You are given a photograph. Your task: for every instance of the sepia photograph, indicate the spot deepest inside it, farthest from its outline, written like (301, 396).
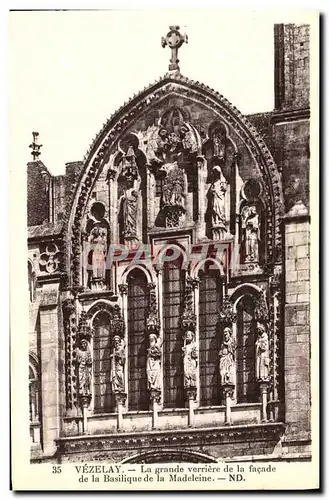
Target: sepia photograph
(168, 257)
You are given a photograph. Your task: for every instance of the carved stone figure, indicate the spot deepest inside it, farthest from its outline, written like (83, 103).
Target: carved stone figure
(153, 363)
(227, 358)
(118, 359)
(174, 185)
(251, 227)
(189, 141)
(216, 198)
(98, 244)
(129, 206)
(84, 362)
(262, 353)
(218, 137)
(190, 360)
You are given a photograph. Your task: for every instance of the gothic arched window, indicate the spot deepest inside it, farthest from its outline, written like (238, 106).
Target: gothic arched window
(245, 351)
(34, 400)
(34, 392)
(137, 310)
(104, 400)
(210, 299)
(173, 290)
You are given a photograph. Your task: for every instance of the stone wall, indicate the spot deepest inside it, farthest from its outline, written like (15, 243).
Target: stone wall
(297, 325)
(292, 66)
(38, 179)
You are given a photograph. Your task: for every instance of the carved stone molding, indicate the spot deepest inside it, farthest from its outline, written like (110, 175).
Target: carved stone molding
(117, 322)
(226, 316)
(152, 321)
(188, 317)
(70, 331)
(51, 259)
(123, 289)
(84, 328)
(164, 439)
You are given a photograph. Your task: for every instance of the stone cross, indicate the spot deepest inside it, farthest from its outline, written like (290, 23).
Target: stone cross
(35, 146)
(174, 40)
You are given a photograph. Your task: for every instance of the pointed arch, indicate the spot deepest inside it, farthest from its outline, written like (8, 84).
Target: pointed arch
(200, 265)
(98, 306)
(106, 142)
(34, 389)
(245, 289)
(142, 268)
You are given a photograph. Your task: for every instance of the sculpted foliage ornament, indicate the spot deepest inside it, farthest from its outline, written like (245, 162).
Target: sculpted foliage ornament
(70, 331)
(84, 329)
(152, 321)
(188, 317)
(226, 315)
(117, 322)
(261, 313)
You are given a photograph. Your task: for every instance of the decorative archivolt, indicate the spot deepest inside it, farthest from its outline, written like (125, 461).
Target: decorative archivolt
(216, 265)
(144, 269)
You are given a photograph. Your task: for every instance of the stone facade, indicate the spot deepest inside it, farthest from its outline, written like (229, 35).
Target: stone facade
(138, 357)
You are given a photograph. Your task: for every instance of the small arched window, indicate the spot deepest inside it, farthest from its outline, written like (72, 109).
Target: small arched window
(34, 391)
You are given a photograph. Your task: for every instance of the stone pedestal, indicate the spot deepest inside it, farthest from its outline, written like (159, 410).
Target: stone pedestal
(228, 392)
(155, 398)
(190, 393)
(263, 386)
(84, 403)
(120, 399)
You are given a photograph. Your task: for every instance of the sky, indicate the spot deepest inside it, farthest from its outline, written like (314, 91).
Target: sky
(69, 71)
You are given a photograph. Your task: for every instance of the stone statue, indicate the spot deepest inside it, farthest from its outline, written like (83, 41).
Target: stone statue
(250, 225)
(153, 363)
(129, 206)
(118, 359)
(218, 139)
(189, 141)
(216, 198)
(227, 358)
(190, 360)
(174, 185)
(84, 362)
(98, 243)
(262, 353)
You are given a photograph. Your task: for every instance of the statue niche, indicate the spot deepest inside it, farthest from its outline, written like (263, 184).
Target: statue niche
(97, 235)
(131, 189)
(216, 211)
(220, 153)
(252, 222)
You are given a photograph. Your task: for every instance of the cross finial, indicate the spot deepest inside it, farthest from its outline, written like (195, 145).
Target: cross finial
(174, 40)
(35, 146)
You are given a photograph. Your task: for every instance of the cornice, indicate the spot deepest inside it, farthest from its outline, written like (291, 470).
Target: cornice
(164, 439)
